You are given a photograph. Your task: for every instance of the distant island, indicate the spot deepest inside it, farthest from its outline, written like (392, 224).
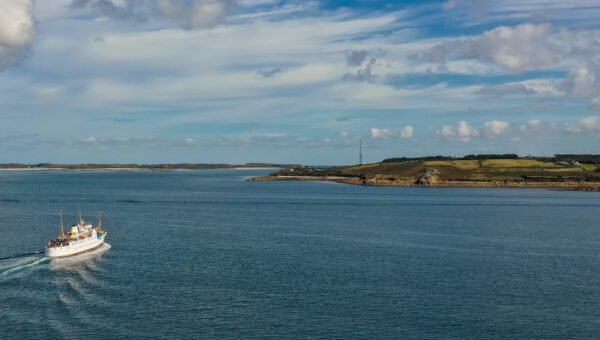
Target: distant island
(563, 171)
(143, 167)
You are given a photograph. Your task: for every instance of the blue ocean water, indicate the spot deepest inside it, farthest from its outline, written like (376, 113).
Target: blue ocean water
(208, 255)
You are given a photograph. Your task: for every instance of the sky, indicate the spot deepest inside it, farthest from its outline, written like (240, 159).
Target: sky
(236, 81)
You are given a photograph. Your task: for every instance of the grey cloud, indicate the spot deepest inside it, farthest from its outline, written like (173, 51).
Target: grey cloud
(505, 90)
(270, 73)
(360, 58)
(18, 138)
(11, 56)
(15, 43)
(438, 54)
(356, 58)
(473, 111)
(365, 74)
(129, 9)
(123, 120)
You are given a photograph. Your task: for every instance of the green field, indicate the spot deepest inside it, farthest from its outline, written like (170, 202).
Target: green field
(520, 163)
(460, 164)
(588, 167)
(494, 163)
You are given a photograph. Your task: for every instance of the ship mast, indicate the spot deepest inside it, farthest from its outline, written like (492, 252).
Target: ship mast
(62, 230)
(81, 219)
(99, 221)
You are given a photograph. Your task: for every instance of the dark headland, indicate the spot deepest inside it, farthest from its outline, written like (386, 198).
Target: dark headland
(565, 171)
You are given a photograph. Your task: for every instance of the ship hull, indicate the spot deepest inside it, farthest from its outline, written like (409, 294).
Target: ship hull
(76, 248)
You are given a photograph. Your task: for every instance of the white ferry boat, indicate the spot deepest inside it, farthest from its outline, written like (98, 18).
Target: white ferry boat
(81, 239)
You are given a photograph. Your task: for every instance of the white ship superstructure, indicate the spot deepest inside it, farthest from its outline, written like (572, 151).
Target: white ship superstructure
(82, 238)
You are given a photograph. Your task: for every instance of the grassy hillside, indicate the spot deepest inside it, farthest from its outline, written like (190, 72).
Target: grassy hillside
(460, 170)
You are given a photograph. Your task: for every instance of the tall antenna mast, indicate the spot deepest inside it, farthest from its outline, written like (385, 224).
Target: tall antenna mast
(99, 221)
(62, 230)
(360, 153)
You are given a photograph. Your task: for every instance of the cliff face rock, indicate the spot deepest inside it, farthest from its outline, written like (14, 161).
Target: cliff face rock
(429, 177)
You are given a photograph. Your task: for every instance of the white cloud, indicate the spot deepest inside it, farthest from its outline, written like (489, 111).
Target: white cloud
(532, 87)
(251, 3)
(381, 133)
(201, 14)
(450, 4)
(580, 83)
(581, 11)
(197, 14)
(509, 89)
(314, 65)
(16, 31)
(88, 140)
(494, 128)
(516, 48)
(405, 132)
(588, 124)
(463, 132)
(595, 103)
(533, 129)
(524, 47)
(532, 124)
(536, 129)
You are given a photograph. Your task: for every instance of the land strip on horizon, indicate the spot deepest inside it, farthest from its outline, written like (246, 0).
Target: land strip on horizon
(569, 172)
(142, 167)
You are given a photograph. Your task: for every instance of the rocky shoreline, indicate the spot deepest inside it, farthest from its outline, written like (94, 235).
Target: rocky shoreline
(427, 180)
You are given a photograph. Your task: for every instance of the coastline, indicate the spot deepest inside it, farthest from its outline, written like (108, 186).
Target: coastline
(567, 186)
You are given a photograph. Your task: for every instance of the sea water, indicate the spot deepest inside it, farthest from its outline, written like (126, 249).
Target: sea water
(206, 254)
